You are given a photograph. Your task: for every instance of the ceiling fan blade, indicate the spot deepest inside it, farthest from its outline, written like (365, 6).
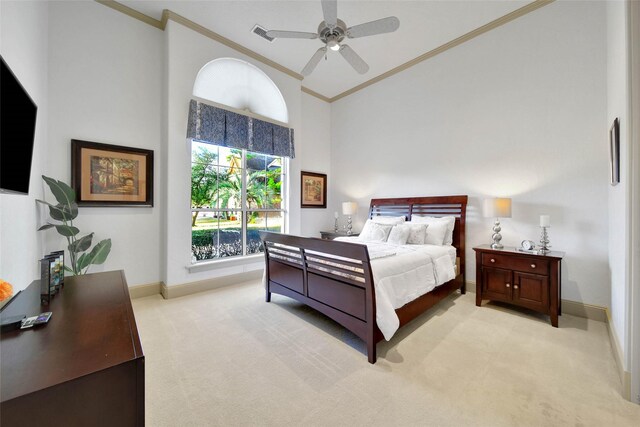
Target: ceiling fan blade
(291, 34)
(381, 26)
(330, 11)
(352, 58)
(313, 62)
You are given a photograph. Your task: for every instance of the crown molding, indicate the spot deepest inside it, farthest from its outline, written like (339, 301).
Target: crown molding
(537, 4)
(133, 13)
(169, 15)
(225, 41)
(316, 94)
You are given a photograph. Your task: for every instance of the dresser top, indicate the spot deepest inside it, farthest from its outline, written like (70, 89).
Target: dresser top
(92, 328)
(513, 250)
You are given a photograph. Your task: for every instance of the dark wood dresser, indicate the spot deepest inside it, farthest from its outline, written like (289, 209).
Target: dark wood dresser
(84, 368)
(520, 278)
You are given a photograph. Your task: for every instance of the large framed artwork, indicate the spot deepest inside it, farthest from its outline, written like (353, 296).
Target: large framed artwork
(614, 151)
(111, 175)
(314, 190)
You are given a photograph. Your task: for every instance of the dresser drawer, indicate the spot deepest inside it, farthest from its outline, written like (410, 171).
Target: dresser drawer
(527, 265)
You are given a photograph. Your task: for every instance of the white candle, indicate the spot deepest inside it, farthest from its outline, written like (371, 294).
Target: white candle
(335, 214)
(545, 221)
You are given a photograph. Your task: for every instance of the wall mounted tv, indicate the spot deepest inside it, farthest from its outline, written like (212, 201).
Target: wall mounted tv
(17, 132)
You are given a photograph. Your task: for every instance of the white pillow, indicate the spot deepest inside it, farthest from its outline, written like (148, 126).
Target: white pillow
(374, 232)
(399, 234)
(436, 232)
(417, 233)
(393, 220)
(450, 221)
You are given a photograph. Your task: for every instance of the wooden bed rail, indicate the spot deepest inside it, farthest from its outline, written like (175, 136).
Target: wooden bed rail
(330, 276)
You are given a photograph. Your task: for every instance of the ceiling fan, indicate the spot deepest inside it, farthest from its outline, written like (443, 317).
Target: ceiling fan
(332, 31)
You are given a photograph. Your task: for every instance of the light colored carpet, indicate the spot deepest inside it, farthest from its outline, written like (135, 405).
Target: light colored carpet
(228, 358)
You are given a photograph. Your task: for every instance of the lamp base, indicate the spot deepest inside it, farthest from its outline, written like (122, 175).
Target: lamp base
(349, 232)
(496, 237)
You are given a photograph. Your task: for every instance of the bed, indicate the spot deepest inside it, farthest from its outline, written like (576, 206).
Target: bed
(336, 277)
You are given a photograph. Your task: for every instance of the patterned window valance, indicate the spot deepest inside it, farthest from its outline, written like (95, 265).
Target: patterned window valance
(221, 127)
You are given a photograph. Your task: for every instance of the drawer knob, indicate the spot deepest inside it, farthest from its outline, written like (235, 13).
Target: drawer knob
(508, 285)
(515, 286)
(493, 260)
(533, 266)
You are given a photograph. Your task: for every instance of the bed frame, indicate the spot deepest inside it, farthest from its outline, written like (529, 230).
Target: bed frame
(306, 269)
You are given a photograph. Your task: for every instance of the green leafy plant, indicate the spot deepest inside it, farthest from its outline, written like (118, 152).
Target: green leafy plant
(65, 212)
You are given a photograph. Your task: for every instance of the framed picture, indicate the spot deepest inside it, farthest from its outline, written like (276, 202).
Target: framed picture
(614, 151)
(111, 175)
(314, 190)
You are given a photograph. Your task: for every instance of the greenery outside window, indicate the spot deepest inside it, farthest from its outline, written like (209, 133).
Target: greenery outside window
(234, 194)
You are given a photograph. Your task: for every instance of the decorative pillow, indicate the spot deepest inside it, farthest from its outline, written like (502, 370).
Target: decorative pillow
(374, 232)
(418, 233)
(399, 234)
(450, 221)
(393, 220)
(436, 232)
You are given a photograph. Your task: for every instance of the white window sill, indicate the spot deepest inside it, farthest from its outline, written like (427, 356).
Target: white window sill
(224, 263)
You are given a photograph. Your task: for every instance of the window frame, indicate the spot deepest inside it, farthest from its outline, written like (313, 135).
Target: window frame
(244, 209)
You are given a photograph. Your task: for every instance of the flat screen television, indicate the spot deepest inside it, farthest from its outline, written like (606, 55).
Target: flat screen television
(17, 132)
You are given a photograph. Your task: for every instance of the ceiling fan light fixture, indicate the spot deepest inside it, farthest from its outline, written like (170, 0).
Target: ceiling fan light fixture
(333, 44)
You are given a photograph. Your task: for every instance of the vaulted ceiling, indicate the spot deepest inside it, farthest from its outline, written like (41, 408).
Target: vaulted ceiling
(424, 26)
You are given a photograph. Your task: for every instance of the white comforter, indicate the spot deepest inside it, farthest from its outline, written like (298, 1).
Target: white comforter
(402, 274)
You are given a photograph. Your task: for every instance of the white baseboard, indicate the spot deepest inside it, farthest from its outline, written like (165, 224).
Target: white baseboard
(141, 291)
(183, 289)
(625, 376)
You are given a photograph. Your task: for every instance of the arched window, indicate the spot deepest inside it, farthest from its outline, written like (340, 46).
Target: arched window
(241, 85)
(235, 193)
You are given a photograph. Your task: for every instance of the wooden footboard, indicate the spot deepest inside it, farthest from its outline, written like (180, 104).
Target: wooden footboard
(335, 277)
(329, 276)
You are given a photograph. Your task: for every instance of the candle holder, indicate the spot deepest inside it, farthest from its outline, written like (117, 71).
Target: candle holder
(544, 240)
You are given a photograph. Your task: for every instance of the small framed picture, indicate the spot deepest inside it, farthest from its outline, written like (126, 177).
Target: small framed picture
(111, 175)
(314, 190)
(614, 151)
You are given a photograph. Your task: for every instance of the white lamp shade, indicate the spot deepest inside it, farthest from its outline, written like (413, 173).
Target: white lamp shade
(498, 207)
(349, 208)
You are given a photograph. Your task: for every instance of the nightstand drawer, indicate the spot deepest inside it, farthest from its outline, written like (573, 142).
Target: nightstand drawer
(527, 265)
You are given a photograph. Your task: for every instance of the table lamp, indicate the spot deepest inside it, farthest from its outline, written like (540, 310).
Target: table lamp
(545, 222)
(349, 208)
(498, 207)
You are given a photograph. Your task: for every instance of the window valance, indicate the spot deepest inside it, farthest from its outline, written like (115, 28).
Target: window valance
(216, 126)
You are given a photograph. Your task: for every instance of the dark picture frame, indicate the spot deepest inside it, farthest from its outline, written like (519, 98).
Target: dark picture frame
(614, 151)
(111, 175)
(313, 189)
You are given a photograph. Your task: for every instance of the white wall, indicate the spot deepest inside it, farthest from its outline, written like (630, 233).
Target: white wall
(23, 45)
(187, 52)
(518, 112)
(315, 157)
(105, 85)
(619, 226)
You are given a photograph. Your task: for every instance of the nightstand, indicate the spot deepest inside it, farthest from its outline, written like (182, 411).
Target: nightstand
(330, 235)
(521, 278)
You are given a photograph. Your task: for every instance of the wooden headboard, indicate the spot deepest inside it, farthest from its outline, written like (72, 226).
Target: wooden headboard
(437, 206)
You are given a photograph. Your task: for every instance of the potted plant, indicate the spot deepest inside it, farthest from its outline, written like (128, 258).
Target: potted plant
(65, 212)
